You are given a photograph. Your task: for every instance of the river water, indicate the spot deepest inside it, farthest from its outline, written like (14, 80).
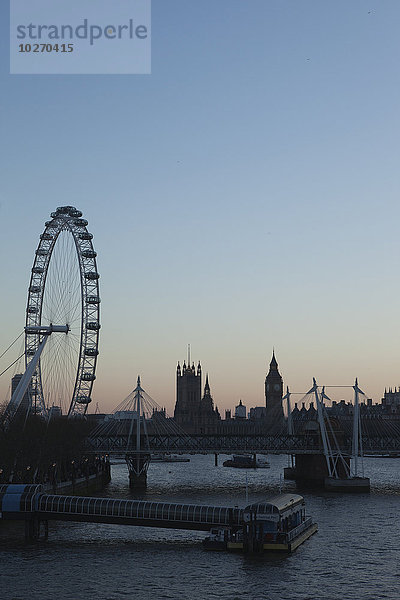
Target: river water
(354, 555)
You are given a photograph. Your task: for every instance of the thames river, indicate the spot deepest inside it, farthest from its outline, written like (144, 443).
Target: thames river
(354, 555)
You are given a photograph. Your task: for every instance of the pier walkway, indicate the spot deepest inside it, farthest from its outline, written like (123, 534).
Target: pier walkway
(29, 503)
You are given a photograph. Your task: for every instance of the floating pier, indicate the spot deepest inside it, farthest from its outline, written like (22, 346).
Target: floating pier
(278, 525)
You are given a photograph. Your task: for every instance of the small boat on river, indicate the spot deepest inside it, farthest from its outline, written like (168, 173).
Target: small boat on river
(246, 461)
(347, 484)
(278, 525)
(169, 458)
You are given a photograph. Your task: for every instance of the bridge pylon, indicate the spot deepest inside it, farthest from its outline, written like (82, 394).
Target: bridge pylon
(137, 460)
(138, 427)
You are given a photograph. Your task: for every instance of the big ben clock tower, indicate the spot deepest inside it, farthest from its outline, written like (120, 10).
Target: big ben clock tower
(273, 396)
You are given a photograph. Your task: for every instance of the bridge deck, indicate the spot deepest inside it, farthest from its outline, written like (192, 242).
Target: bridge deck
(214, 444)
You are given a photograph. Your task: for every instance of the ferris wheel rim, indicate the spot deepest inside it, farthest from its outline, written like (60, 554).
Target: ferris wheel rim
(66, 219)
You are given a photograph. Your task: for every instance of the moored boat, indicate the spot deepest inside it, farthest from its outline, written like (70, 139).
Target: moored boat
(246, 461)
(347, 484)
(169, 458)
(278, 525)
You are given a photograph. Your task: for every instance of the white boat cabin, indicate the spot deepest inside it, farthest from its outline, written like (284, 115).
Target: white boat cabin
(280, 515)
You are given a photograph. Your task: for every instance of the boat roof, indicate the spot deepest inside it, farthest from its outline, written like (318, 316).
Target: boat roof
(278, 503)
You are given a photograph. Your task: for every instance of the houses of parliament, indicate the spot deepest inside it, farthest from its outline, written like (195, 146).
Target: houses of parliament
(195, 411)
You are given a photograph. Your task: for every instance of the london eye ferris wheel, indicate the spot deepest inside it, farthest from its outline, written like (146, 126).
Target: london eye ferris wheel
(63, 297)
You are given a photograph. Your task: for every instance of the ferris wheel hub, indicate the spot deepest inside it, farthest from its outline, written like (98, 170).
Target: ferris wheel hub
(46, 330)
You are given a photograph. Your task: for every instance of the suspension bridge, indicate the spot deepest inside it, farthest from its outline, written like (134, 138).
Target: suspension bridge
(139, 427)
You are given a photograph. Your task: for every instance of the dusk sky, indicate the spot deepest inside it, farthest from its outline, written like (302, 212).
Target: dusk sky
(242, 197)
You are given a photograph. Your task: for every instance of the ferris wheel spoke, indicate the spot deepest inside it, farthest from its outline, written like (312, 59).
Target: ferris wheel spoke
(61, 360)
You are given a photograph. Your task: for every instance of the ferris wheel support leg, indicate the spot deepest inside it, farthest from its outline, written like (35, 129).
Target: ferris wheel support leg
(23, 385)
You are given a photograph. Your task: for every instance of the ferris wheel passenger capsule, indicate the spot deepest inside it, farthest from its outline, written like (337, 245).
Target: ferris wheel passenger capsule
(89, 254)
(91, 352)
(92, 275)
(88, 377)
(75, 213)
(81, 222)
(83, 399)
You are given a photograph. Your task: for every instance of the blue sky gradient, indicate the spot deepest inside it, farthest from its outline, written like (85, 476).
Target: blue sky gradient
(244, 195)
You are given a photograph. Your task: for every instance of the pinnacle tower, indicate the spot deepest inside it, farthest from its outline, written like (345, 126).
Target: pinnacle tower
(273, 396)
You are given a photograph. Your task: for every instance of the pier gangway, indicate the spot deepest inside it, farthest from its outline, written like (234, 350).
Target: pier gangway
(29, 503)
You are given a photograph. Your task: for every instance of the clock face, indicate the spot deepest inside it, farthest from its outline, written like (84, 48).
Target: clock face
(276, 387)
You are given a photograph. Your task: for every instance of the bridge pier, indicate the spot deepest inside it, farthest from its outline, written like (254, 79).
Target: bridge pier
(311, 470)
(36, 529)
(138, 464)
